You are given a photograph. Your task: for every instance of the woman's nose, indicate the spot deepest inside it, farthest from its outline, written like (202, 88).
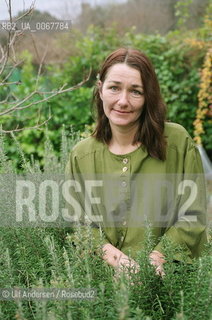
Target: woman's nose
(123, 99)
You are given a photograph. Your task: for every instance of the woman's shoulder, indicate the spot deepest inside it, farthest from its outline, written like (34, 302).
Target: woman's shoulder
(177, 134)
(172, 128)
(87, 146)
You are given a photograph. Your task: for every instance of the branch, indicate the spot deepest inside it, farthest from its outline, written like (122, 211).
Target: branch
(51, 95)
(2, 53)
(12, 37)
(6, 100)
(40, 66)
(8, 54)
(29, 12)
(12, 69)
(9, 83)
(37, 126)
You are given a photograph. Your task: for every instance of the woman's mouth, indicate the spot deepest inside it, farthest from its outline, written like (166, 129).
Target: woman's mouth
(122, 112)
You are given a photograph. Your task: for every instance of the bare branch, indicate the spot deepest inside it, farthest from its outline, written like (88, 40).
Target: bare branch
(2, 53)
(12, 37)
(19, 103)
(9, 39)
(37, 126)
(8, 62)
(10, 10)
(6, 100)
(28, 12)
(51, 95)
(5, 55)
(12, 69)
(9, 83)
(40, 66)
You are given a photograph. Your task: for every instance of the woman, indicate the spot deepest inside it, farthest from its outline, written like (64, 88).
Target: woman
(136, 158)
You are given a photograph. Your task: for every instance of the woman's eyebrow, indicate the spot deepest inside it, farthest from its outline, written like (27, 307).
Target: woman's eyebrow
(133, 85)
(117, 82)
(137, 86)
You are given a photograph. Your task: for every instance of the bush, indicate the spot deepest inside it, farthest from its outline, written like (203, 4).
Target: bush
(44, 257)
(176, 62)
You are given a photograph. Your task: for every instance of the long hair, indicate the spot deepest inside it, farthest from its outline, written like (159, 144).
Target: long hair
(150, 130)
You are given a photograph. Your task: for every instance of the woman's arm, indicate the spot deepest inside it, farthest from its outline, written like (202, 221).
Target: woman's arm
(117, 259)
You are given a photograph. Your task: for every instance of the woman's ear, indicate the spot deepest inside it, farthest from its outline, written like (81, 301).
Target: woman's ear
(99, 85)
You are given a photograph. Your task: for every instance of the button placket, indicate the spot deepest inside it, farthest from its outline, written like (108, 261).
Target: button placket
(125, 192)
(125, 176)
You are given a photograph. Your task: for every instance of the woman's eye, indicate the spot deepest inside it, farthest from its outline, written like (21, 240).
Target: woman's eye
(137, 93)
(114, 88)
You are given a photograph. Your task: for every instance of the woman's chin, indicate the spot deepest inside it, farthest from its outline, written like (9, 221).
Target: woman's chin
(120, 123)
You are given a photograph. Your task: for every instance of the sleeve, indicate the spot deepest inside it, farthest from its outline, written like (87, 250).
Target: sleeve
(188, 233)
(75, 204)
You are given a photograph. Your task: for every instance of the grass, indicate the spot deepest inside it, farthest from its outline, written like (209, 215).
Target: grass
(58, 258)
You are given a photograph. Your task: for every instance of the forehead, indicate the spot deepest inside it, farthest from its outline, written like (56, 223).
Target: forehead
(123, 72)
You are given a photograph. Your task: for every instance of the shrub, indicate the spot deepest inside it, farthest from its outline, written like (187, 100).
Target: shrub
(176, 62)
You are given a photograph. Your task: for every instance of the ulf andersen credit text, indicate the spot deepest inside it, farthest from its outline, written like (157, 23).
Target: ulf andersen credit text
(46, 293)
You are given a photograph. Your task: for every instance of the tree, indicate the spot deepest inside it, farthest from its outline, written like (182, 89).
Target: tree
(10, 103)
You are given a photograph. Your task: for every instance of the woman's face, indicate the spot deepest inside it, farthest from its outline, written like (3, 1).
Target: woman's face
(122, 95)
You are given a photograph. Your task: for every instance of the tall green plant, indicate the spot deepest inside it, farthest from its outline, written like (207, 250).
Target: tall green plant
(58, 258)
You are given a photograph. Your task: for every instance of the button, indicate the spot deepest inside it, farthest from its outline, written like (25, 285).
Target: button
(124, 184)
(124, 169)
(125, 160)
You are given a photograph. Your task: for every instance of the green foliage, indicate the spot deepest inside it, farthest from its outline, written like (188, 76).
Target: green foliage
(176, 63)
(47, 257)
(91, 51)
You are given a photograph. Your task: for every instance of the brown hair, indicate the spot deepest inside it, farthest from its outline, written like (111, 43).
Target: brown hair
(152, 119)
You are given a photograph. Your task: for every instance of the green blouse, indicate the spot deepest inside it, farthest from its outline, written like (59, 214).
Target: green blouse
(120, 195)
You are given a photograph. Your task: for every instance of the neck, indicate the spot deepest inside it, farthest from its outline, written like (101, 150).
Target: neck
(122, 140)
